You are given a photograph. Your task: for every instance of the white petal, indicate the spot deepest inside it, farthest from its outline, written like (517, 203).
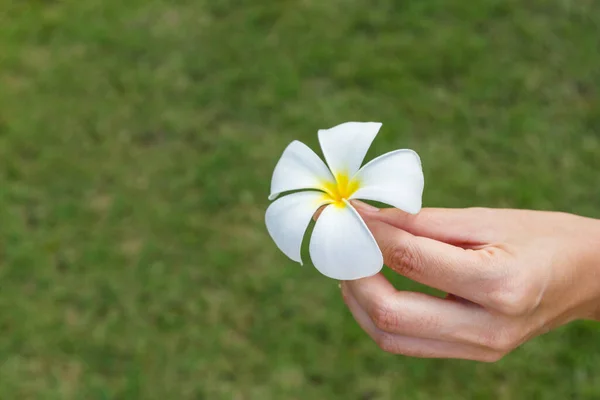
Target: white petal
(395, 178)
(345, 146)
(288, 217)
(298, 168)
(342, 247)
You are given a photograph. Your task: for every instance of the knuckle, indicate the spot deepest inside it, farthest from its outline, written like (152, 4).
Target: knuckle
(383, 316)
(512, 302)
(499, 340)
(388, 317)
(516, 298)
(386, 342)
(405, 260)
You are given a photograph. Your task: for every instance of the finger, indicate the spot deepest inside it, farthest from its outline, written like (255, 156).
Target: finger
(465, 273)
(464, 227)
(419, 315)
(413, 346)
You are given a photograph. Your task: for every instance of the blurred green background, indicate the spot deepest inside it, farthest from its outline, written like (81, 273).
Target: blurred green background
(137, 141)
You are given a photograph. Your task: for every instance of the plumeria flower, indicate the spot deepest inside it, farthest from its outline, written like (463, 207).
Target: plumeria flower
(341, 246)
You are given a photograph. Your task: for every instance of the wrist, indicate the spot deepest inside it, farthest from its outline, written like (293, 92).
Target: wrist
(592, 261)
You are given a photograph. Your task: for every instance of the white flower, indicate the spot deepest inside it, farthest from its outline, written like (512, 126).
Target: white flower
(341, 246)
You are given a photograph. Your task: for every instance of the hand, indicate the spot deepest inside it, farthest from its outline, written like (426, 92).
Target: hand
(511, 275)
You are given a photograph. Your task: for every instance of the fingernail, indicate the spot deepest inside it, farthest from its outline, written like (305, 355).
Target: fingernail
(364, 206)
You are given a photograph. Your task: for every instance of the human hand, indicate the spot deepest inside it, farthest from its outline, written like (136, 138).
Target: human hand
(511, 275)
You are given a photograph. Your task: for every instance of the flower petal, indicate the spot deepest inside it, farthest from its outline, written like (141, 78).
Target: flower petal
(395, 178)
(345, 146)
(342, 247)
(298, 168)
(288, 217)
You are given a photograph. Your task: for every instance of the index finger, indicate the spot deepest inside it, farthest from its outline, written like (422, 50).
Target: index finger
(452, 269)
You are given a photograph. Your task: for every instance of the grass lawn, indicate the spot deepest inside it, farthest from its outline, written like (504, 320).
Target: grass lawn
(137, 140)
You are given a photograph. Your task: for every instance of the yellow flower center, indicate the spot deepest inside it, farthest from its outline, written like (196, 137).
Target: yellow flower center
(341, 189)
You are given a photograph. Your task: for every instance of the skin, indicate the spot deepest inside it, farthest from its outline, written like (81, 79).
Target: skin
(512, 275)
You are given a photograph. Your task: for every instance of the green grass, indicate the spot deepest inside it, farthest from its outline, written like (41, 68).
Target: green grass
(137, 139)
